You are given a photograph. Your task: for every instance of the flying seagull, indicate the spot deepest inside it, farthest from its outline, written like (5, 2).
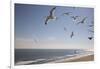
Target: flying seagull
(72, 34)
(90, 25)
(67, 13)
(82, 21)
(91, 31)
(51, 15)
(74, 17)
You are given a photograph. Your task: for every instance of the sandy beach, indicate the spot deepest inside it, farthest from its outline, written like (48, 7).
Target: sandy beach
(79, 58)
(84, 58)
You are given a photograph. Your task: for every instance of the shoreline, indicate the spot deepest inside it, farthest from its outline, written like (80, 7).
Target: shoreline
(77, 58)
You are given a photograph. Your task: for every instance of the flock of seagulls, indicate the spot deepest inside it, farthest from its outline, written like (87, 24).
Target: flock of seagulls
(51, 16)
(91, 31)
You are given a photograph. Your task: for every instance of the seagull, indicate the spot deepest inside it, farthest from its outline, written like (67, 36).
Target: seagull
(91, 31)
(82, 21)
(67, 13)
(72, 34)
(90, 25)
(74, 17)
(90, 38)
(51, 15)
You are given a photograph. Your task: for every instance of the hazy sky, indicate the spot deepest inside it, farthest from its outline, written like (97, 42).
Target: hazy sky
(31, 31)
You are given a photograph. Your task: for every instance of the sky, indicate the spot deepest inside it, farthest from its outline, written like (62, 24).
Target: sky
(32, 33)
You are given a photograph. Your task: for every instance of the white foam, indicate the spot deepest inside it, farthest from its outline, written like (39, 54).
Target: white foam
(28, 62)
(24, 62)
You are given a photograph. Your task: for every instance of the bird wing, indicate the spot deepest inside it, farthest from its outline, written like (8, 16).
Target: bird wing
(71, 34)
(82, 21)
(72, 17)
(91, 25)
(52, 11)
(84, 18)
(46, 20)
(91, 31)
(77, 16)
(79, 22)
(90, 38)
(67, 13)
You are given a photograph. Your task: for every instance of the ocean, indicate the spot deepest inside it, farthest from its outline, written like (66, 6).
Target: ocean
(39, 56)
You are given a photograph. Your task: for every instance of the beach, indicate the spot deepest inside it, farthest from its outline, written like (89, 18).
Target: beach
(85, 58)
(81, 58)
